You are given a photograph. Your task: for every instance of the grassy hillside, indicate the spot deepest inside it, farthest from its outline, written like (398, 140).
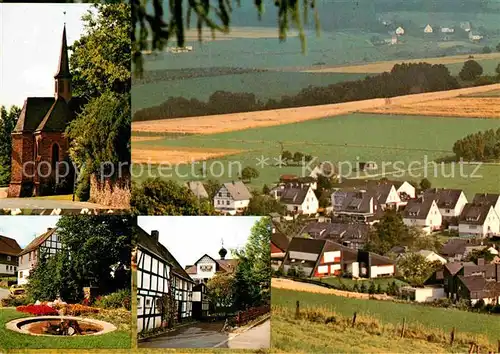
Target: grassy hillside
(390, 313)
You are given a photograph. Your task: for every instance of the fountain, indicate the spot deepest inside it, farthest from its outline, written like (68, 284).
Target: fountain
(60, 326)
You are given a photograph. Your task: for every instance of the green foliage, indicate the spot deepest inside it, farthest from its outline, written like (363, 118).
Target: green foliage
(425, 184)
(498, 47)
(480, 146)
(221, 290)
(82, 190)
(210, 14)
(389, 232)
(415, 269)
(158, 197)
(400, 81)
(253, 275)
(14, 301)
(486, 50)
(248, 173)
(8, 121)
(116, 300)
(212, 187)
(265, 189)
(100, 135)
(372, 289)
(362, 288)
(94, 247)
(297, 157)
(54, 276)
(264, 205)
(101, 57)
(286, 155)
(477, 254)
(471, 70)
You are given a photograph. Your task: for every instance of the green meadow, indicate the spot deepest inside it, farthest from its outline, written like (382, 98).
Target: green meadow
(414, 142)
(388, 312)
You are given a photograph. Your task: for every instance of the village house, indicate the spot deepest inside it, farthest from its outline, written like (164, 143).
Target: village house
(356, 204)
(466, 26)
(400, 31)
(39, 142)
(450, 202)
(9, 249)
(422, 213)
(279, 245)
(302, 201)
(319, 258)
(232, 198)
(352, 235)
(198, 189)
(160, 280)
(428, 29)
(474, 37)
(457, 249)
(207, 267)
(472, 281)
(46, 244)
(478, 220)
(431, 256)
(492, 199)
(447, 30)
(201, 304)
(385, 195)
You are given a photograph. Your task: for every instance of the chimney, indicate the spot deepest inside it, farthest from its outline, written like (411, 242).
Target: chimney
(480, 261)
(155, 234)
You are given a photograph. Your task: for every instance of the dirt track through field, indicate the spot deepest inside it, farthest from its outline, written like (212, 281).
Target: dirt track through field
(288, 284)
(246, 120)
(466, 107)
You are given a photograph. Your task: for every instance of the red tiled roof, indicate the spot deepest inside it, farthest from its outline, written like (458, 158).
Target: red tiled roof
(37, 241)
(9, 246)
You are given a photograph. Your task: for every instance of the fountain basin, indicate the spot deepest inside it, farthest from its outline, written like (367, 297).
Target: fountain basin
(47, 325)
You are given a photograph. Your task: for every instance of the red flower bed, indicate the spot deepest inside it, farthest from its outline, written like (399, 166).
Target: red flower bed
(37, 310)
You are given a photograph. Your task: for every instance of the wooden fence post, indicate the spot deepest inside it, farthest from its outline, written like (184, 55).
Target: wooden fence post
(403, 328)
(297, 310)
(452, 336)
(354, 319)
(471, 348)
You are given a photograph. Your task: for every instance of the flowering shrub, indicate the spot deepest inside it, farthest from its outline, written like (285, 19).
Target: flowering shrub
(37, 310)
(78, 310)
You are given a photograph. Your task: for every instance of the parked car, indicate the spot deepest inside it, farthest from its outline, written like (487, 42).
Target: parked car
(16, 290)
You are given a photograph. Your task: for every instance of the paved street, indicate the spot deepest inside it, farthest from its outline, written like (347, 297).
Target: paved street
(208, 335)
(198, 335)
(258, 337)
(35, 203)
(4, 293)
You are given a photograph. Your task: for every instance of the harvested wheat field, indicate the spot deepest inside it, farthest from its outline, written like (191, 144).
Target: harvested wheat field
(382, 66)
(467, 107)
(176, 155)
(288, 284)
(238, 32)
(247, 120)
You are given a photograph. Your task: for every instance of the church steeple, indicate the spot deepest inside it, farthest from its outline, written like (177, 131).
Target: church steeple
(63, 75)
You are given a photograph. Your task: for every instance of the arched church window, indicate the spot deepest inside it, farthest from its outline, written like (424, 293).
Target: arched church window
(55, 156)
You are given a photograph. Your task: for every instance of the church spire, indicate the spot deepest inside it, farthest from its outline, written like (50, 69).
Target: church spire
(63, 75)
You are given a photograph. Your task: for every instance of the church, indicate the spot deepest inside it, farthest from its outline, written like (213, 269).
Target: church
(39, 143)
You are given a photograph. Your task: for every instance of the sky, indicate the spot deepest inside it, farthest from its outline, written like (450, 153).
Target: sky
(188, 238)
(30, 44)
(24, 229)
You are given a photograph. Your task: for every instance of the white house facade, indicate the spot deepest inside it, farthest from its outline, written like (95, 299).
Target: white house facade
(232, 197)
(423, 214)
(46, 244)
(479, 221)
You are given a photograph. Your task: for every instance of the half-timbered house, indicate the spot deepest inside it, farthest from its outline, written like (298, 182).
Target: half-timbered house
(164, 289)
(46, 244)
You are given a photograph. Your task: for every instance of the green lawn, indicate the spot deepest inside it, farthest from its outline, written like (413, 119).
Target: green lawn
(383, 282)
(351, 138)
(121, 338)
(393, 313)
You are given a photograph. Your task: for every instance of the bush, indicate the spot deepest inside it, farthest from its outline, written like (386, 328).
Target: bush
(78, 310)
(83, 188)
(15, 301)
(37, 310)
(115, 300)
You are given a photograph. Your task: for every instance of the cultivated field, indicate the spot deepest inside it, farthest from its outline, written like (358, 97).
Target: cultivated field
(172, 155)
(482, 107)
(382, 66)
(237, 32)
(248, 120)
(345, 140)
(392, 313)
